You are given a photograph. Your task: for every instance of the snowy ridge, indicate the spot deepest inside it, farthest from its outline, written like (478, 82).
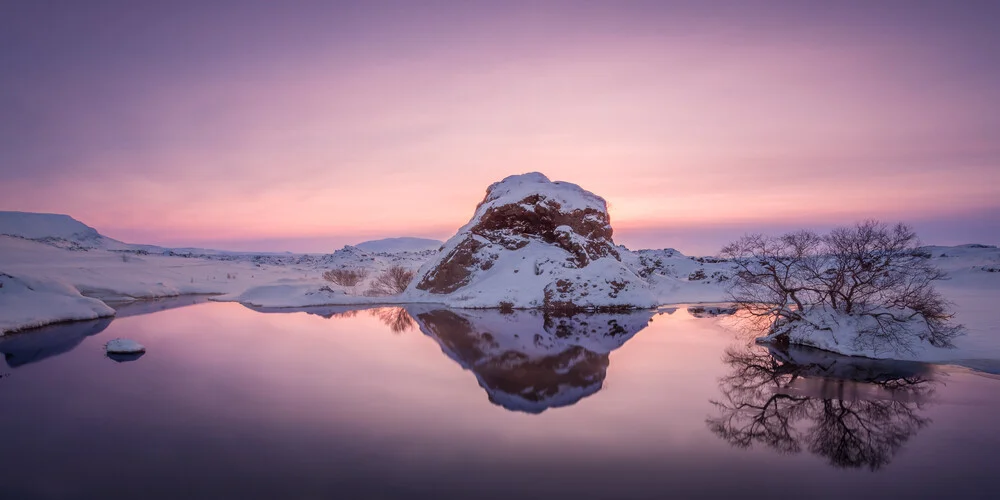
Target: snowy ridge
(37, 226)
(401, 244)
(54, 229)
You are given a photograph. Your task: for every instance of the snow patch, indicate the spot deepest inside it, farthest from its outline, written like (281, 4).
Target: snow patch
(124, 346)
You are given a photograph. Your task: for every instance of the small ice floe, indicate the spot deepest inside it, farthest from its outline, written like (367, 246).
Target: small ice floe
(124, 346)
(122, 350)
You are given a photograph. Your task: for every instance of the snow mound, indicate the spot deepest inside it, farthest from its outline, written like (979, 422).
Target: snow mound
(528, 361)
(401, 244)
(533, 243)
(124, 346)
(855, 335)
(33, 302)
(54, 229)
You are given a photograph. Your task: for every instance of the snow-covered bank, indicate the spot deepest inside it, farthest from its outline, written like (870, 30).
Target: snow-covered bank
(855, 335)
(303, 295)
(672, 278)
(28, 302)
(51, 281)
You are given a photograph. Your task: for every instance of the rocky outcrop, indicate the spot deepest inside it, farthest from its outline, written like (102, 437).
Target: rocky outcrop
(534, 243)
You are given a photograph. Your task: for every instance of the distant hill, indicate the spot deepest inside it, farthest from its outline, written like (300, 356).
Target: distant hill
(55, 229)
(403, 244)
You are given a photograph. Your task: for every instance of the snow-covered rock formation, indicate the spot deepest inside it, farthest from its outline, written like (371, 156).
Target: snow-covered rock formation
(530, 361)
(533, 243)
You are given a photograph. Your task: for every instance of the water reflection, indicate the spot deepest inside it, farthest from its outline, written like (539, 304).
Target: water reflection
(150, 306)
(396, 318)
(35, 345)
(710, 311)
(125, 357)
(528, 361)
(855, 412)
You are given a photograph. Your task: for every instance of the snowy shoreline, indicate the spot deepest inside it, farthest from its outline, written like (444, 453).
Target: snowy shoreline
(76, 274)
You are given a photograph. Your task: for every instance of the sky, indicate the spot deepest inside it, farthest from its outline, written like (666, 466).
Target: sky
(304, 126)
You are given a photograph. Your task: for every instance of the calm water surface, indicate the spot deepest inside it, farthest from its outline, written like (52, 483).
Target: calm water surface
(231, 402)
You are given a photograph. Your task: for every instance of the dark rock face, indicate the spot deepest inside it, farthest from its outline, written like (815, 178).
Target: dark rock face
(538, 217)
(455, 270)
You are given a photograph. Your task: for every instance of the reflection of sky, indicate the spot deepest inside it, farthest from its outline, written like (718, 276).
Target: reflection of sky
(228, 398)
(276, 127)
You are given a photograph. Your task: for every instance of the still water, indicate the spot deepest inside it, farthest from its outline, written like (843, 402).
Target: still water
(230, 402)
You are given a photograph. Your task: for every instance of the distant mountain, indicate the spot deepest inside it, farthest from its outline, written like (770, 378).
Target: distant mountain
(403, 244)
(55, 229)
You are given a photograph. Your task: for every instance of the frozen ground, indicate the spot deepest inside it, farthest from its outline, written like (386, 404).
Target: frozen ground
(56, 269)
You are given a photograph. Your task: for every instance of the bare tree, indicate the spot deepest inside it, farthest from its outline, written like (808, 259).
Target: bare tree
(868, 270)
(392, 281)
(346, 276)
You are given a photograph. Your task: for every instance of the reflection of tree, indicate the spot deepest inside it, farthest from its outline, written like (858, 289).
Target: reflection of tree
(342, 314)
(854, 412)
(396, 318)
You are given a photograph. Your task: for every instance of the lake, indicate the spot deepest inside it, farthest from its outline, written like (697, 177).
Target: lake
(425, 402)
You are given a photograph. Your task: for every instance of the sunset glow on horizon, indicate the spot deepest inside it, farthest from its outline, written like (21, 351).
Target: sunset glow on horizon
(305, 126)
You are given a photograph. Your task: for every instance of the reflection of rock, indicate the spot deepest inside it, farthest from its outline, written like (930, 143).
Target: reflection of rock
(125, 357)
(855, 412)
(41, 343)
(527, 361)
(710, 311)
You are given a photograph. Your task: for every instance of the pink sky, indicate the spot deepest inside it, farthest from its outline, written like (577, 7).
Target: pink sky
(262, 129)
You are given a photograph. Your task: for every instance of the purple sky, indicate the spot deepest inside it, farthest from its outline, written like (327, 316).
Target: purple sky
(307, 125)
